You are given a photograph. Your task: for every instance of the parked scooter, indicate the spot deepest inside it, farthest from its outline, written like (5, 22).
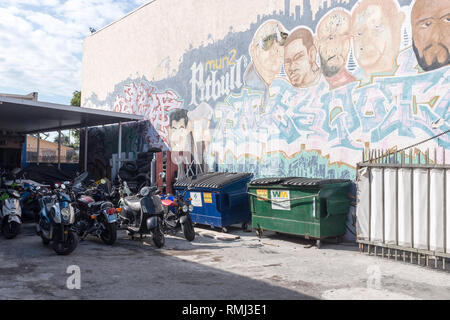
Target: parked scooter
(143, 214)
(10, 213)
(177, 214)
(56, 220)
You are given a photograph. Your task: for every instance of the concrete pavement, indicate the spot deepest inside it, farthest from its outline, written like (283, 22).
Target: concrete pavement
(274, 267)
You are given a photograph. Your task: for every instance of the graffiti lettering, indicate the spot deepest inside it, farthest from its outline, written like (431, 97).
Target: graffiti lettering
(143, 99)
(222, 62)
(212, 85)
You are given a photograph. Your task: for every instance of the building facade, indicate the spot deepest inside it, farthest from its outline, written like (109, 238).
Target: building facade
(276, 87)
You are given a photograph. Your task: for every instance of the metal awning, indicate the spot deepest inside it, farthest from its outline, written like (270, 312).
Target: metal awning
(25, 116)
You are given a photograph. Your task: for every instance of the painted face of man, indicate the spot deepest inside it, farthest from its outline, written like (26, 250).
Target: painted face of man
(298, 62)
(372, 33)
(333, 37)
(267, 50)
(430, 22)
(178, 135)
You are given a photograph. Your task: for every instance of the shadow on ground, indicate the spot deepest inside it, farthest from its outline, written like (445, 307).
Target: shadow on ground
(127, 270)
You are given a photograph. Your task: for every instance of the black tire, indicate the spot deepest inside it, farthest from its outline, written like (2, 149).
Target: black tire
(10, 230)
(67, 248)
(144, 168)
(188, 230)
(158, 237)
(144, 156)
(126, 175)
(45, 241)
(109, 235)
(36, 217)
(130, 166)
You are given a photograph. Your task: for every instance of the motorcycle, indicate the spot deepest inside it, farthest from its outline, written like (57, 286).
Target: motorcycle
(29, 203)
(10, 214)
(177, 215)
(56, 220)
(143, 214)
(97, 218)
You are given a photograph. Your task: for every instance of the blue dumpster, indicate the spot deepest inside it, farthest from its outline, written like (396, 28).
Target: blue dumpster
(220, 199)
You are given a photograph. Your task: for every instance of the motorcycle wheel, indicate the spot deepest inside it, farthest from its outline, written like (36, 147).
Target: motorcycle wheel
(158, 237)
(36, 217)
(188, 230)
(45, 241)
(66, 248)
(109, 235)
(11, 230)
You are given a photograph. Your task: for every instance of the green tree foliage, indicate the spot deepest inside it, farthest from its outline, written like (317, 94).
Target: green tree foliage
(76, 99)
(64, 140)
(76, 102)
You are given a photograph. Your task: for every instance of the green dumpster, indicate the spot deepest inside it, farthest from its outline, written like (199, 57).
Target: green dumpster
(313, 208)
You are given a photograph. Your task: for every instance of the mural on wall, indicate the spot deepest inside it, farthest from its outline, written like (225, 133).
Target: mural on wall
(143, 99)
(305, 96)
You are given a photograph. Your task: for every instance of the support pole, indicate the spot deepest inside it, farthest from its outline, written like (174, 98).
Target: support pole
(120, 147)
(38, 147)
(59, 149)
(85, 149)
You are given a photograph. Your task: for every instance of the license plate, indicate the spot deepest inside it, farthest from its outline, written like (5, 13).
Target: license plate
(112, 217)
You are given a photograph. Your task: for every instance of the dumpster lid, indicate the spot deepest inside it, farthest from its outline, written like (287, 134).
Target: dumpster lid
(187, 181)
(300, 181)
(269, 181)
(214, 180)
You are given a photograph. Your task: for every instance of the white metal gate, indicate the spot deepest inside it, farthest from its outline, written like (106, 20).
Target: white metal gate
(402, 210)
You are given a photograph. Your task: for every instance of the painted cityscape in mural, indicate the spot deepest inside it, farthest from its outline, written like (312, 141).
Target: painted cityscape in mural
(303, 93)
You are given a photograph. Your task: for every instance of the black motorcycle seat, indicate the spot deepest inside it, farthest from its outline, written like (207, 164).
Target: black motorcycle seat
(133, 203)
(95, 205)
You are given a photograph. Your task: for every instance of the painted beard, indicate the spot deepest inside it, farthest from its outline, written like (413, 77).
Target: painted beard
(435, 64)
(328, 71)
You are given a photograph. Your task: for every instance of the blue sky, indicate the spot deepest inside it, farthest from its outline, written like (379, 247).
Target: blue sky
(41, 43)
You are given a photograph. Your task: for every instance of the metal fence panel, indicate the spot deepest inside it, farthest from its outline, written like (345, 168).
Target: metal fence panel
(404, 207)
(447, 211)
(437, 211)
(376, 209)
(363, 204)
(420, 208)
(390, 206)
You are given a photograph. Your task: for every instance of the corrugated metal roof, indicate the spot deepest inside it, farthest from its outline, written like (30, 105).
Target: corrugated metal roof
(25, 116)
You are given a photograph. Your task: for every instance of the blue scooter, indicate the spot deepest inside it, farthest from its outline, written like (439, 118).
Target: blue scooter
(56, 220)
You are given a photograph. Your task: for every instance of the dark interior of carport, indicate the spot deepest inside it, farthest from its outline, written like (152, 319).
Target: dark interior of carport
(19, 117)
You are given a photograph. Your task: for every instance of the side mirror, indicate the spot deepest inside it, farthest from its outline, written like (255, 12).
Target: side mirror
(145, 191)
